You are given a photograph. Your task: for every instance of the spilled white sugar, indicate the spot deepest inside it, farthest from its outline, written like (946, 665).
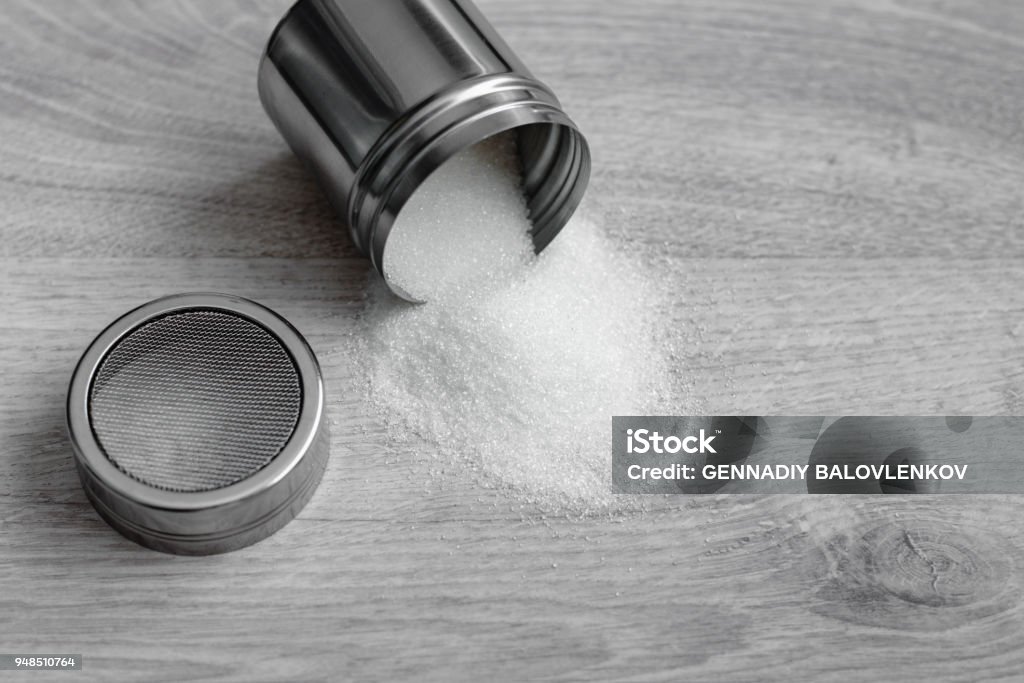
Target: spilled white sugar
(516, 364)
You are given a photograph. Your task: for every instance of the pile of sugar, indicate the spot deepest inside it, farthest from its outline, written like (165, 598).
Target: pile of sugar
(515, 365)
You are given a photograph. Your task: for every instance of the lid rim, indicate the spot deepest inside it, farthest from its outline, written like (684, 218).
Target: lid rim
(209, 520)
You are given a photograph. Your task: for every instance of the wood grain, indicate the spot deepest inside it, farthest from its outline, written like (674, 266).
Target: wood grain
(834, 189)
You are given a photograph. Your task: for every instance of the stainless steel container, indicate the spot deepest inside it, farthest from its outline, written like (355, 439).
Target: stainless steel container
(197, 422)
(374, 95)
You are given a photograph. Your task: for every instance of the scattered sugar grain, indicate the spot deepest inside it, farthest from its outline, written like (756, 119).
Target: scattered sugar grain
(515, 366)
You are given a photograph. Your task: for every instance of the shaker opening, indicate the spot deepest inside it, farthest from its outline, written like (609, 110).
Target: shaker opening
(481, 214)
(464, 228)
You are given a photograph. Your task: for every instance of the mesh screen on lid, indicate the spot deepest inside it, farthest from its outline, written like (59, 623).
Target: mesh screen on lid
(195, 401)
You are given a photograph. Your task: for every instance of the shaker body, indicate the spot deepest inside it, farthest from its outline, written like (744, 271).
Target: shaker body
(373, 95)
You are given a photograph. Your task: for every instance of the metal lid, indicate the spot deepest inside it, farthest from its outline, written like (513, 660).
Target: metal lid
(197, 423)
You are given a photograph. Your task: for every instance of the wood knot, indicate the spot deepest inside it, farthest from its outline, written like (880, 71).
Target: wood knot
(922, 575)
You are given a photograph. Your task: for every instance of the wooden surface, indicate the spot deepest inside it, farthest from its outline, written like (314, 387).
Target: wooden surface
(840, 185)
